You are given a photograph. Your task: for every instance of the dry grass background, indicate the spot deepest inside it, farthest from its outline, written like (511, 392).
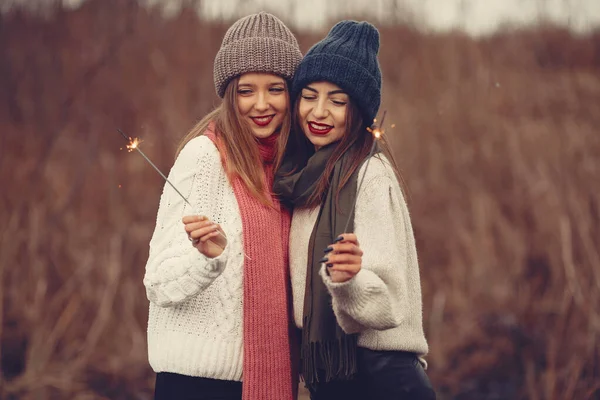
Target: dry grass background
(498, 139)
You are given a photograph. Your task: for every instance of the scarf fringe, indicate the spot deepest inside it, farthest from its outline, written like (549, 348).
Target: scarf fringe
(336, 359)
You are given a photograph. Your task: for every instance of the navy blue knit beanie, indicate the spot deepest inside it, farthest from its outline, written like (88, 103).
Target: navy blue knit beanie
(348, 58)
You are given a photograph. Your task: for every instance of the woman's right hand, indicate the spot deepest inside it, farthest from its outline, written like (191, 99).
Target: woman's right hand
(205, 235)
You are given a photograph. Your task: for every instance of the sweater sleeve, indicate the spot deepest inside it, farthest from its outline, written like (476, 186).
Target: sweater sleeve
(176, 271)
(375, 298)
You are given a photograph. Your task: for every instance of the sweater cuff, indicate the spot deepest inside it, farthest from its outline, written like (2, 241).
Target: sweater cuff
(355, 292)
(195, 272)
(215, 264)
(212, 264)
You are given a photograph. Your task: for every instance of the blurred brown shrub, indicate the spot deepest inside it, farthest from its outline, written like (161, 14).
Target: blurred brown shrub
(497, 137)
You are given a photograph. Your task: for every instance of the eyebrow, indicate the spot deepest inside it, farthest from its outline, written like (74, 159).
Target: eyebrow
(270, 83)
(337, 91)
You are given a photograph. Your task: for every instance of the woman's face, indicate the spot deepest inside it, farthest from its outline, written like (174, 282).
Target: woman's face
(322, 113)
(262, 100)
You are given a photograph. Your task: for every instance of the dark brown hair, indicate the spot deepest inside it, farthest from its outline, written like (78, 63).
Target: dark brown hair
(238, 145)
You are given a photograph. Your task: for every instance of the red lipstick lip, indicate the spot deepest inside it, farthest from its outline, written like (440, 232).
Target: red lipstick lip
(319, 132)
(263, 123)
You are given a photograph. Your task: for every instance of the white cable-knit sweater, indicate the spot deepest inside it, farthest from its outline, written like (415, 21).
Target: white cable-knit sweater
(196, 319)
(383, 301)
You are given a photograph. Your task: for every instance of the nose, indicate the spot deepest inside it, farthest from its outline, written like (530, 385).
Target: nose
(320, 110)
(262, 102)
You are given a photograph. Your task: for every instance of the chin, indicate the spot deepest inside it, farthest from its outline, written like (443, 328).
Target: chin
(319, 141)
(263, 133)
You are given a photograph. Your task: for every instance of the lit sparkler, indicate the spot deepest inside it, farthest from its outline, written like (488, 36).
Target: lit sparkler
(377, 131)
(134, 144)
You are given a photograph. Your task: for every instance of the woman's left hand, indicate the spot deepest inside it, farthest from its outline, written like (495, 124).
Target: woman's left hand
(343, 258)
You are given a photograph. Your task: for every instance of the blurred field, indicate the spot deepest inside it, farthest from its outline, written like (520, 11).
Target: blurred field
(498, 140)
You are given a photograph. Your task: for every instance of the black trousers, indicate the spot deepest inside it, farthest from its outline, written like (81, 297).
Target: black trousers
(181, 387)
(382, 375)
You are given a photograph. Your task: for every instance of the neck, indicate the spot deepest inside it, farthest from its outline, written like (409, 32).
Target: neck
(268, 147)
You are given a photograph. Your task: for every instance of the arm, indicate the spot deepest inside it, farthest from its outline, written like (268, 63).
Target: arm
(375, 297)
(176, 270)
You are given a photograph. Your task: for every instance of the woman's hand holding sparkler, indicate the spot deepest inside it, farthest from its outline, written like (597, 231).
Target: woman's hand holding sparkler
(343, 258)
(205, 235)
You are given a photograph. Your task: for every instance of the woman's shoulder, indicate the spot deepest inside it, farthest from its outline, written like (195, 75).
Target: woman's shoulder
(377, 168)
(199, 147)
(380, 186)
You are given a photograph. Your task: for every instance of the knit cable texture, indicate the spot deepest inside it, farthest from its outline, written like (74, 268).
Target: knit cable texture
(195, 324)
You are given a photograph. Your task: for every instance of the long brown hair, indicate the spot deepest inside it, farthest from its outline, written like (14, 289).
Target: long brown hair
(238, 145)
(357, 142)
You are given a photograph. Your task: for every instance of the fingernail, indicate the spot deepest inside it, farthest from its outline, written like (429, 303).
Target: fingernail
(324, 259)
(338, 239)
(329, 265)
(328, 249)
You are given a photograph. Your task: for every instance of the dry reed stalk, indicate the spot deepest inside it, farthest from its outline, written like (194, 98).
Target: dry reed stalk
(6, 254)
(102, 320)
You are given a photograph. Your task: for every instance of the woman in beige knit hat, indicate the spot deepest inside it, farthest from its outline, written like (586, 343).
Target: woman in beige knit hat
(217, 275)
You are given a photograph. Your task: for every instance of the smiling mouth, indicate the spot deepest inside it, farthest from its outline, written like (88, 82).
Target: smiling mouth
(263, 120)
(319, 129)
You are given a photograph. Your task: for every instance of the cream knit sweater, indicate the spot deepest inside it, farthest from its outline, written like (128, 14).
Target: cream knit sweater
(196, 311)
(383, 301)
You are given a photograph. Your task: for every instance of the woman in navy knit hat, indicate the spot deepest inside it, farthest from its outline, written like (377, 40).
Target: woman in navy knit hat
(354, 269)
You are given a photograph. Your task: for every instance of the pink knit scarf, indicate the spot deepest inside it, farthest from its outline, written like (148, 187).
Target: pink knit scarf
(270, 371)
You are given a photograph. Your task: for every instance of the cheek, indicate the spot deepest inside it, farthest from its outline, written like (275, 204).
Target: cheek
(303, 111)
(340, 116)
(280, 103)
(244, 105)
(340, 119)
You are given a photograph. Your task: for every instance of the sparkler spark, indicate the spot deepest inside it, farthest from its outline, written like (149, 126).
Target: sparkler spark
(133, 144)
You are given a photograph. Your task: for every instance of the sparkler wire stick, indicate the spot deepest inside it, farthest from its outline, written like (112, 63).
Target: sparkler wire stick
(377, 132)
(134, 145)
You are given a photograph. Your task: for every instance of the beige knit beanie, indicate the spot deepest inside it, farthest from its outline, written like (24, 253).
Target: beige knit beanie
(256, 43)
